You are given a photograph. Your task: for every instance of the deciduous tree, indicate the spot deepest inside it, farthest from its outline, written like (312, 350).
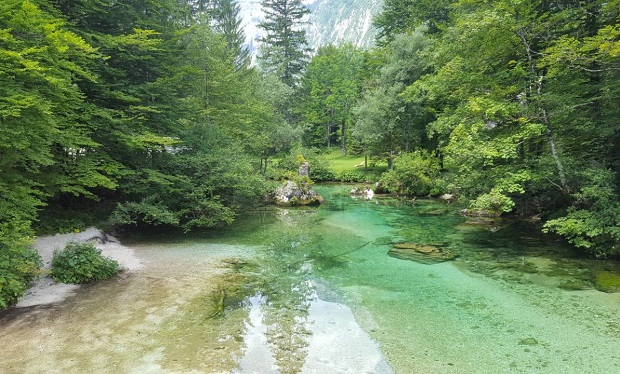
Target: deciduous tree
(332, 85)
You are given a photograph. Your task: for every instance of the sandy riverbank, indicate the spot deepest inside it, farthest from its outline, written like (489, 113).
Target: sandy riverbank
(46, 290)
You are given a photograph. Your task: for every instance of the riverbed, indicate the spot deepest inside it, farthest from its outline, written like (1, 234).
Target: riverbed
(313, 290)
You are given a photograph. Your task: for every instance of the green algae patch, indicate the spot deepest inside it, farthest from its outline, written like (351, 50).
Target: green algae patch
(606, 281)
(528, 341)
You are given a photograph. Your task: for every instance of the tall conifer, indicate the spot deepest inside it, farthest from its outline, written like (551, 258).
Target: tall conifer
(224, 19)
(284, 49)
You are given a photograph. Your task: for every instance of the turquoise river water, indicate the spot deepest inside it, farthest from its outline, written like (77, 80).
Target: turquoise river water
(313, 290)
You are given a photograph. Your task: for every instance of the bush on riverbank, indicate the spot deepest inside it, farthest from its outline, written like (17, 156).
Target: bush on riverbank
(82, 263)
(414, 174)
(19, 265)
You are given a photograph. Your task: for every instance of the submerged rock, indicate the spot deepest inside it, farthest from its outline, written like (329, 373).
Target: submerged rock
(492, 224)
(480, 213)
(422, 253)
(435, 212)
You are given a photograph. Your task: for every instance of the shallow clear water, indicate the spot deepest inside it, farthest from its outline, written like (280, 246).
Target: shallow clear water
(314, 291)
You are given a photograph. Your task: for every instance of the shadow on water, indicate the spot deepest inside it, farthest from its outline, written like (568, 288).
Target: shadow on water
(516, 251)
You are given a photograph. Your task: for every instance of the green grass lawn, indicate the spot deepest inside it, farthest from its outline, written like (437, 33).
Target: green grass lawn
(339, 163)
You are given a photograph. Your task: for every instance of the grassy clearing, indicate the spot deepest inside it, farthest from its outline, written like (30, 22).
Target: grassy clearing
(339, 163)
(351, 163)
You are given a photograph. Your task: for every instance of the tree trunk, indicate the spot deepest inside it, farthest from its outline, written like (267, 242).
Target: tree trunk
(545, 117)
(327, 128)
(554, 151)
(263, 165)
(343, 136)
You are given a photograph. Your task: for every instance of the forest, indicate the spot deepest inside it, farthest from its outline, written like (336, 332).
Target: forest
(151, 113)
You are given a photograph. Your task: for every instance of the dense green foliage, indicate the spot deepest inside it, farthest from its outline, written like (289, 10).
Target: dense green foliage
(223, 15)
(387, 124)
(593, 221)
(142, 110)
(331, 87)
(515, 99)
(82, 263)
(414, 174)
(401, 16)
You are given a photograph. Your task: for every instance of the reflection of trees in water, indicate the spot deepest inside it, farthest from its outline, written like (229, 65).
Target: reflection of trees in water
(278, 282)
(282, 279)
(289, 293)
(279, 279)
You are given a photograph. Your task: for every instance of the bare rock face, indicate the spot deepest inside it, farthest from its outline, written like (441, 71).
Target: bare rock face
(331, 22)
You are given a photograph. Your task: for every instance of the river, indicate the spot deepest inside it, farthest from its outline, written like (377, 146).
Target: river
(313, 290)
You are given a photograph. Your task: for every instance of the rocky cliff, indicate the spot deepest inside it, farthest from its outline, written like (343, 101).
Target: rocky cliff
(341, 21)
(330, 22)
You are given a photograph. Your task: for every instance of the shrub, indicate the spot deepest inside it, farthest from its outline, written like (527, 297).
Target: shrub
(351, 176)
(148, 211)
(19, 265)
(319, 172)
(205, 212)
(415, 173)
(494, 202)
(389, 182)
(82, 263)
(593, 222)
(439, 188)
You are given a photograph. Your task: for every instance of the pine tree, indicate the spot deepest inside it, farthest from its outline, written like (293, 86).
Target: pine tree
(224, 19)
(284, 49)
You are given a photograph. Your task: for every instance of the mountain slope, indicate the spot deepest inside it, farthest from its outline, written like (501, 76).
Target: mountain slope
(342, 21)
(330, 22)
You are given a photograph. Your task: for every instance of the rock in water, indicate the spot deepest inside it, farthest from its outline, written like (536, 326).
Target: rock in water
(367, 193)
(294, 194)
(422, 253)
